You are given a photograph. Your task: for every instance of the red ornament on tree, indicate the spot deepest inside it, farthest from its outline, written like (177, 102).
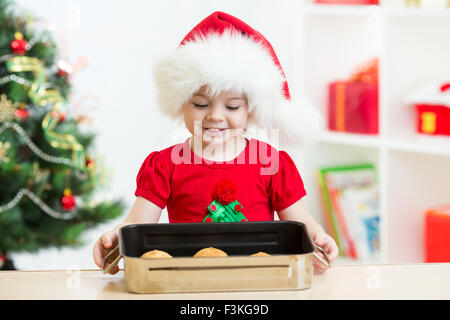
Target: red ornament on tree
(22, 113)
(19, 44)
(68, 201)
(62, 73)
(224, 192)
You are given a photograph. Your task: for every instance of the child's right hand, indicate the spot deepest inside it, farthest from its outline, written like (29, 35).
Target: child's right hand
(102, 246)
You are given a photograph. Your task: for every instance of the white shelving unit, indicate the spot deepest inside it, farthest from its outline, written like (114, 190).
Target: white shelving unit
(413, 45)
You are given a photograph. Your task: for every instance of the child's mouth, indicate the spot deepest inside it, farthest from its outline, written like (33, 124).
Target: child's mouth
(213, 130)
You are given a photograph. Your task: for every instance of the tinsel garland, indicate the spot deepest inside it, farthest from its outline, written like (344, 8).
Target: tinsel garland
(39, 152)
(41, 96)
(17, 79)
(46, 157)
(37, 201)
(100, 174)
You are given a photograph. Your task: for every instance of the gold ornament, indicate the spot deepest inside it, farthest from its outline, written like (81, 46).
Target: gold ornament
(4, 146)
(7, 109)
(18, 35)
(38, 173)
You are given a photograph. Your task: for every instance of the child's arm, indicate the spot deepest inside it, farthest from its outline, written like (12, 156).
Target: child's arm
(298, 212)
(143, 211)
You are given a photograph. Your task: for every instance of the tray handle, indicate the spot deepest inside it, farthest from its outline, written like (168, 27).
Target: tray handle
(113, 264)
(327, 262)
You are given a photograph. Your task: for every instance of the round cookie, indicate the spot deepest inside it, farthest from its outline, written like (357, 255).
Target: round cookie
(210, 252)
(156, 254)
(260, 254)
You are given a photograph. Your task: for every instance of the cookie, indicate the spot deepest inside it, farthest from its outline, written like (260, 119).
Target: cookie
(156, 254)
(260, 254)
(210, 252)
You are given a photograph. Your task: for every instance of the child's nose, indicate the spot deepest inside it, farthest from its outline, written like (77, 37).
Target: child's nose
(215, 114)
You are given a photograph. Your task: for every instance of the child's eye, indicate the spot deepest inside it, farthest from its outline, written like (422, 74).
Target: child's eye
(200, 105)
(233, 107)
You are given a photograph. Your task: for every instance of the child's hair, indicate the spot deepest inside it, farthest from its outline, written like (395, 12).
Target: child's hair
(226, 54)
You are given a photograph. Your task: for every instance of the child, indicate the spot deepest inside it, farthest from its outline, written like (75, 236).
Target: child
(224, 77)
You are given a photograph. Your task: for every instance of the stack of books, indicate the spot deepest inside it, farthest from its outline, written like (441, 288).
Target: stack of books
(350, 201)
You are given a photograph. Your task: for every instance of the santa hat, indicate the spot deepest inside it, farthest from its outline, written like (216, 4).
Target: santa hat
(225, 53)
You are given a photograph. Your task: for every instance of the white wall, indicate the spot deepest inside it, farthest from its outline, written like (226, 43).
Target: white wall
(120, 41)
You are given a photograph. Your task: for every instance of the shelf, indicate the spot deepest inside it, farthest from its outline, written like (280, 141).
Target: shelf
(418, 13)
(351, 139)
(424, 145)
(412, 168)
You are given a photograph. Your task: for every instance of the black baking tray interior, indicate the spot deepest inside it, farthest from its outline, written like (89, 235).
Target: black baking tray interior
(235, 238)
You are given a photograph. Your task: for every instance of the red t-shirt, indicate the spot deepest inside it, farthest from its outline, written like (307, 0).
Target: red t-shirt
(266, 180)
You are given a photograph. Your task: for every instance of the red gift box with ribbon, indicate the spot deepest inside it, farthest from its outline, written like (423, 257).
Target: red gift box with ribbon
(353, 103)
(432, 107)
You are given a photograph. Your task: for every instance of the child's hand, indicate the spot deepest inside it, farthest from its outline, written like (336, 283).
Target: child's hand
(102, 246)
(327, 243)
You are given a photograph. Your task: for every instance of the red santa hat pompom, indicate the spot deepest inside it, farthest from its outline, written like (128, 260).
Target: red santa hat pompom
(225, 53)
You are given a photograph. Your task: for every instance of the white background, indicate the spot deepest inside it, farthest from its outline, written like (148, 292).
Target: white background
(120, 41)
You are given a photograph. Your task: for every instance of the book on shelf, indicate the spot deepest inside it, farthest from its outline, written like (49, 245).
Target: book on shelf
(350, 202)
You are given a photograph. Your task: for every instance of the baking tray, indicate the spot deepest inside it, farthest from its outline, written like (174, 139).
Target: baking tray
(289, 266)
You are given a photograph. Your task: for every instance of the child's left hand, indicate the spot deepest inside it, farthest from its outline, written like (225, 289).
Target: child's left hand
(327, 243)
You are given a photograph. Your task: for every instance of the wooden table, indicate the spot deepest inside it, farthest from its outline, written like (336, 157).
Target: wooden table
(407, 281)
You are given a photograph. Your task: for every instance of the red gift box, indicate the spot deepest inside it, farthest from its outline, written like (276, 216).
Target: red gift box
(353, 104)
(433, 119)
(437, 234)
(432, 108)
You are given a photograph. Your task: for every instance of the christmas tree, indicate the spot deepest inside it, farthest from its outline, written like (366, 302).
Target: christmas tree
(50, 186)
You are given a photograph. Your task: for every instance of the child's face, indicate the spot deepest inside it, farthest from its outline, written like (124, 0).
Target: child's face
(216, 119)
